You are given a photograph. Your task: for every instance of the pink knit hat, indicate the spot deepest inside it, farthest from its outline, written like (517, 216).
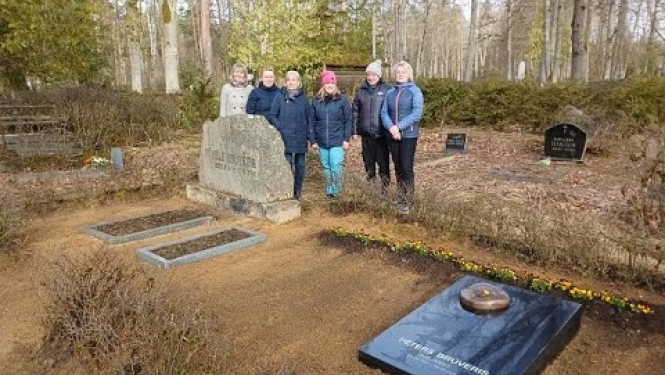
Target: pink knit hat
(328, 76)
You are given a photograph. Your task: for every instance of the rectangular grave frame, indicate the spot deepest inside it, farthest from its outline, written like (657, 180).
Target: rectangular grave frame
(147, 254)
(148, 233)
(372, 355)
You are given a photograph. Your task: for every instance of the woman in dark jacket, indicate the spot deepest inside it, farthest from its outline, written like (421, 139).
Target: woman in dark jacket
(260, 99)
(367, 123)
(289, 113)
(332, 124)
(400, 115)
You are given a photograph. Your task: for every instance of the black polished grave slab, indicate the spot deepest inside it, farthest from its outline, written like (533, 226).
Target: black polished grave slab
(442, 338)
(565, 142)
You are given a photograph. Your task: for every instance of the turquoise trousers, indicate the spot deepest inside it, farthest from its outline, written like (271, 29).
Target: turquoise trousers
(332, 161)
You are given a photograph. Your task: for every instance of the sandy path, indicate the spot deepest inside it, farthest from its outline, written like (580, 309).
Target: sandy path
(290, 300)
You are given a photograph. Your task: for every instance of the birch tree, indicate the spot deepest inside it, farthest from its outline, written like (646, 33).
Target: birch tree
(171, 57)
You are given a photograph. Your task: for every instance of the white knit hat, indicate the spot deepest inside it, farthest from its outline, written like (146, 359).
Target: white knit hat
(375, 68)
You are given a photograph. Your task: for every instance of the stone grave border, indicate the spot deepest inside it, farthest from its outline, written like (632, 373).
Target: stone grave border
(170, 228)
(146, 253)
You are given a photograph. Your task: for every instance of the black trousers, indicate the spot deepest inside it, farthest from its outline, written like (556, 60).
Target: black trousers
(403, 153)
(375, 152)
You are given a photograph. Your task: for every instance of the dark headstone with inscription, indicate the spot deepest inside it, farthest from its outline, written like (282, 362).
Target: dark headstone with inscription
(455, 142)
(242, 168)
(569, 137)
(565, 142)
(441, 337)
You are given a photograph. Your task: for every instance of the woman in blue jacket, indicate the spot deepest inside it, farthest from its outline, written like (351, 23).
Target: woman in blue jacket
(260, 99)
(401, 112)
(333, 127)
(289, 113)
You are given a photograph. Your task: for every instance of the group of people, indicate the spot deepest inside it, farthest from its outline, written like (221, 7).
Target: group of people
(386, 117)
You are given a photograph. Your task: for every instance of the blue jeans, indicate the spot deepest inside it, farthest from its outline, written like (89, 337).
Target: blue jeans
(332, 161)
(297, 162)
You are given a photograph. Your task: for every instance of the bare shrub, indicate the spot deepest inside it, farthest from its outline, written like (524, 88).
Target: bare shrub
(532, 230)
(112, 319)
(102, 118)
(644, 216)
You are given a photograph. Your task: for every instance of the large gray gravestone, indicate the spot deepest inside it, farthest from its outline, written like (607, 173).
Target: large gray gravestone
(242, 168)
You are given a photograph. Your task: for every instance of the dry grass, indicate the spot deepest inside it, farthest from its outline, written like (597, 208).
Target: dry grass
(530, 230)
(9, 222)
(111, 319)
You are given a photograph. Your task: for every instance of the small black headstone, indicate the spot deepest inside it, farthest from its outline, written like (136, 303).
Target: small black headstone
(441, 337)
(565, 142)
(455, 142)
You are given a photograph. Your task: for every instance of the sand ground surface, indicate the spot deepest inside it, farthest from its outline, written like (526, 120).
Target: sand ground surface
(297, 302)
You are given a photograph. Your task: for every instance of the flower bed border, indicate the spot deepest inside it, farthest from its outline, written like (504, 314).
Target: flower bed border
(506, 275)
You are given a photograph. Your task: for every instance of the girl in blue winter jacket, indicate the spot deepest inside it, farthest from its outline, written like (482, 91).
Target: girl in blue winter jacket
(332, 122)
(400, 114)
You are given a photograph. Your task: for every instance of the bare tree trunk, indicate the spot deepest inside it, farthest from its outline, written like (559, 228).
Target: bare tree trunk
(471, 43)
(171, 64)
(397, 45)
(206, 40)
(619, 42)
(650, 63)
(119, 44)
(153, 19)
(509, 40)
(580, 56)
(134, 47)
(610, 33)
(421, 42)
(556, 43)
(547, 39)
(374, 2)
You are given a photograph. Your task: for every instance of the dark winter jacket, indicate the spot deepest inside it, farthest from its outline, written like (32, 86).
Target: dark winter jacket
(367, 109)
(332, 121)
(290, 115)
(260, 100)
(403, 106)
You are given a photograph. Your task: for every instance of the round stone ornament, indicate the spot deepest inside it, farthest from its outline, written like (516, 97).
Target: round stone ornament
(484, 298)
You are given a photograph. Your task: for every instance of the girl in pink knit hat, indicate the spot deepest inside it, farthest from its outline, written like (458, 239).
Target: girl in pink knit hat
(333, 128)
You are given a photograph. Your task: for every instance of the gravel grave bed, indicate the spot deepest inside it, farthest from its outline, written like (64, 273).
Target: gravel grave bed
(200, 244)
(143, 223)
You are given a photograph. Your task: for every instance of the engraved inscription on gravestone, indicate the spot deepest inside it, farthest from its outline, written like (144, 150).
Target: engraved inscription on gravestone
(455, 142)
(442, 337)
(244, 155)
(565, 142)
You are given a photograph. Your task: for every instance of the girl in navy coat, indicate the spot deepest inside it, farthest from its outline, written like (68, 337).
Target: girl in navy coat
(332, 123)
(289, 113)
(260, 99)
